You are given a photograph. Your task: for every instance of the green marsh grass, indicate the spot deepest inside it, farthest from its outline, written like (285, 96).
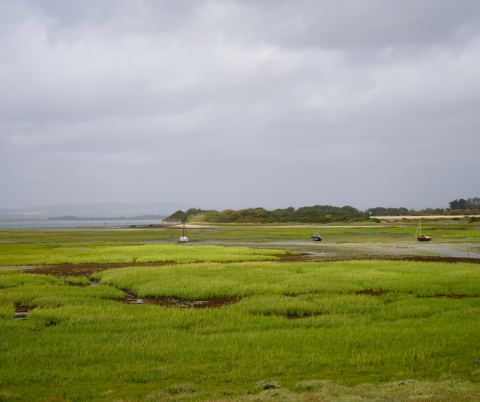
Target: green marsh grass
(203, 281)
(18, 288)
(78, 343)
(13, 254)
(107, 344)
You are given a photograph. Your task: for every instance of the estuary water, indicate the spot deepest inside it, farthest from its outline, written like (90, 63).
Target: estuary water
(44, 224)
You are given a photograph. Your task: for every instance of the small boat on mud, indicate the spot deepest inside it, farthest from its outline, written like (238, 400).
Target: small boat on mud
(421, 237)
(316, 237)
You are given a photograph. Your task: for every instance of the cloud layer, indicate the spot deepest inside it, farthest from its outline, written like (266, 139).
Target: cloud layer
(239, 103)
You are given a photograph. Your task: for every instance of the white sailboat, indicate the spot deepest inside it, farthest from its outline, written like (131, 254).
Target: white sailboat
(184, 238)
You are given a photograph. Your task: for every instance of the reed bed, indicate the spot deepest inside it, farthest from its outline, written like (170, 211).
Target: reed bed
(79, 343)
(202, 281)
(51, 254)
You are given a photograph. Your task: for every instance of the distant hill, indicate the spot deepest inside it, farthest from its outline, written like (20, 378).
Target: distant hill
(95, 210)
(313, 214)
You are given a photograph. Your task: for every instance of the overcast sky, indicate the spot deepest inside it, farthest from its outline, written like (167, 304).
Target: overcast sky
(238, 104)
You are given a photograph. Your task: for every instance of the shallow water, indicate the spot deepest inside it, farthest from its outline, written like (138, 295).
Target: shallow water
(175, 302)
(458, 254)
(21, 312)
(44, 224)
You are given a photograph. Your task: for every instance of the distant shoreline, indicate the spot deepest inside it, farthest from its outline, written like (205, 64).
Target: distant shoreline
(76, 224)
(60, 219)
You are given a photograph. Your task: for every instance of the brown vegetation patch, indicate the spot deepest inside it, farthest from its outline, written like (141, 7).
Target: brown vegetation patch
(428, 258)
(371, 293)
(61, 270)
(449, 297)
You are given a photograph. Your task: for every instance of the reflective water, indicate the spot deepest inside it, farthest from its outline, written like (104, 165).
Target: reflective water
(44, 224)
(457, 254)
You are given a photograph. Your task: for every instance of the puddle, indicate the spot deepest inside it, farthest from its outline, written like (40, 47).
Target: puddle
(175, 302)
(21, 312)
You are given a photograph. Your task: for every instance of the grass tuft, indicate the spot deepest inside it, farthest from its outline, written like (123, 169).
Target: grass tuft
(181, 389)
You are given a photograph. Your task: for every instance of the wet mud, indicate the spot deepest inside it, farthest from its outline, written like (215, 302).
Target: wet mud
(452, 297)
(176, 302)
(21, 312)
(434, 259)
(295, 257)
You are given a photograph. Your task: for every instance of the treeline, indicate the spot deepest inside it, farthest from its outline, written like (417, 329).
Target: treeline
(380, 211)
(313, 214)
(318, 213)
(470, 206)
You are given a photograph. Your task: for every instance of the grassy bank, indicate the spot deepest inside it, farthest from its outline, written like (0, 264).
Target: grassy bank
(92, 253)
(197, 281)
(82, 344)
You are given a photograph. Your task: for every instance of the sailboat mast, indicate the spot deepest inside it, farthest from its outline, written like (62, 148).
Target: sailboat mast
(183, 235)
(420, 227)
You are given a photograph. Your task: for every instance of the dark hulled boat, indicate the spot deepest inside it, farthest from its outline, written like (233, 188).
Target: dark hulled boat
(420, 236)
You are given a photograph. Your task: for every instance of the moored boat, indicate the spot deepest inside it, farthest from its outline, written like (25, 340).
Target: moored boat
(316, 237)
(184, 237)
(420, 236)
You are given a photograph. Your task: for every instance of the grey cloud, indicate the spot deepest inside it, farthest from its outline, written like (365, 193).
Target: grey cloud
(242, 103)
(371, 23)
